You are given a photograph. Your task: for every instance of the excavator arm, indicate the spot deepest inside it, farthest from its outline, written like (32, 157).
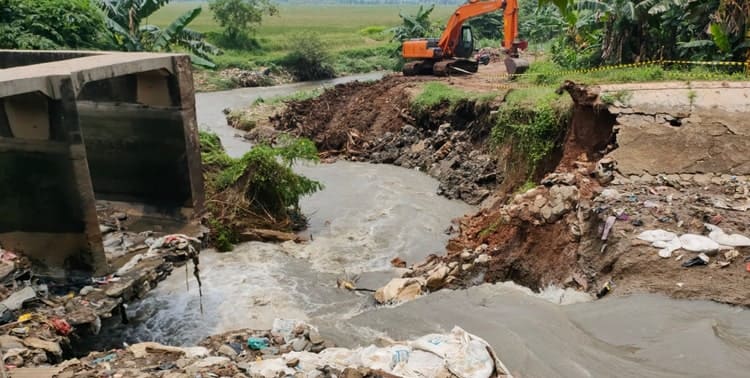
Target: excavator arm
(475, 8)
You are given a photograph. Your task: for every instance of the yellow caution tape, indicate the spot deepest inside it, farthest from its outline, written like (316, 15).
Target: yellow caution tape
(703, 75)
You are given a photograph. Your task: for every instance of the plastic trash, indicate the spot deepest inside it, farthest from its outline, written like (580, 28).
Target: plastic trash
(257, 343)
(734, 240)
(650, 204)
(701, 259)
(608, 227)
(656, 235)
(61, 326)
(108, 358)
(698, 243)
(604, 290)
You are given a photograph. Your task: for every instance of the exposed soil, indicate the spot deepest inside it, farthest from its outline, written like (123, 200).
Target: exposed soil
(374, 122)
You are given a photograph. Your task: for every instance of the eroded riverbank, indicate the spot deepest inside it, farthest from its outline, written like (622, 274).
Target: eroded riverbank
(370, 213)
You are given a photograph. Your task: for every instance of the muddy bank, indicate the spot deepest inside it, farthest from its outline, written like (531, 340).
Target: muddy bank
(590, 227)
(376, 122)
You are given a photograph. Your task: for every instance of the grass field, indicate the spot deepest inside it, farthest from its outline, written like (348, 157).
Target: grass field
(339, 26)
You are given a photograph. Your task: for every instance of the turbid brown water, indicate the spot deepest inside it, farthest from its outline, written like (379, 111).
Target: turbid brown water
(370, 213)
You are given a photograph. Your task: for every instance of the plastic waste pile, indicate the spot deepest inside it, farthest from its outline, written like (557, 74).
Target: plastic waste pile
(295, 349)
(39, 314)
(717, 240)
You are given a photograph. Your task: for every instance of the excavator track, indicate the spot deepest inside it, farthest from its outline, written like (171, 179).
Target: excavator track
(446, 67)
(418, 67)
(441, 68)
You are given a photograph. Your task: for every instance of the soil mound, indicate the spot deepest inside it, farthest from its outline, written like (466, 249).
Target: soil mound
(346, 116)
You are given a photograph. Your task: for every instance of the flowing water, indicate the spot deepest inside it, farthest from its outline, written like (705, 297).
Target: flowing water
(367, 215)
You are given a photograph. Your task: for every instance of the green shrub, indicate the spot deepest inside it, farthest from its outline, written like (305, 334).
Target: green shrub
(377, 33)
(309, 58)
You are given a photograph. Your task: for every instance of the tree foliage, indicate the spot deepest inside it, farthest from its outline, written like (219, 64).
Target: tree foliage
(49, 24)
(239, 17)
(617, 31)
(416, 25)
(128, 32)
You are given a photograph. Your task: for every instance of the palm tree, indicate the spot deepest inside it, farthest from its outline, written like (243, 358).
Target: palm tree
(124, 21)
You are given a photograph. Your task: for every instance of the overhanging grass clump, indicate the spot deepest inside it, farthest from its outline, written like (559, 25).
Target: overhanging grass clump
(532, 122)
(437, 93)
(257, 191)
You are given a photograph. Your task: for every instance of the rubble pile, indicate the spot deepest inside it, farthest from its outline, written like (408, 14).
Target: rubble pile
(39, 315)
(592, 228)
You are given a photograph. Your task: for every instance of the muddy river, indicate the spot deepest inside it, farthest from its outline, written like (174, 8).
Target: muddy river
(367, 215)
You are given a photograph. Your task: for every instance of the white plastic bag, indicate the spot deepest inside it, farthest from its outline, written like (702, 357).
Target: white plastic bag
(667, 247)
(698, 243)
(656, 235)
(733, 240)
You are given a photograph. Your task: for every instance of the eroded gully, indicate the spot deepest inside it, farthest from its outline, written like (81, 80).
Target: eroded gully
(368, 214)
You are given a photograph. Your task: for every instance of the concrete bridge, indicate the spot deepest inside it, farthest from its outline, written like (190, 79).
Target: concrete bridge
(81, 127)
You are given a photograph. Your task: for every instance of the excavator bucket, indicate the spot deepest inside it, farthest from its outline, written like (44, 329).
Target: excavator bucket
(515, 66)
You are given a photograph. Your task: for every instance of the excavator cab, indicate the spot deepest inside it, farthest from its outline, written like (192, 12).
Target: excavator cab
(465, 47)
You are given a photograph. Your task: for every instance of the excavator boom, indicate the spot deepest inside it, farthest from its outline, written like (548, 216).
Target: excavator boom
(475, 8)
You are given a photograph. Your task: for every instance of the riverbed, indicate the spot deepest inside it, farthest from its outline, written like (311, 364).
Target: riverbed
(368, 214)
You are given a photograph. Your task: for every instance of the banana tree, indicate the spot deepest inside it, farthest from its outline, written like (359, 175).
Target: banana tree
(127, 32)
(414, 26)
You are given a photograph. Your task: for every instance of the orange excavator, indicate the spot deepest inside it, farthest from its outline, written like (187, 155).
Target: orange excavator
(454, 50)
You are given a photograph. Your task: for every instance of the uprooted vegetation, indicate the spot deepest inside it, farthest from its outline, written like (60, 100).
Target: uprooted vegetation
(258, 192)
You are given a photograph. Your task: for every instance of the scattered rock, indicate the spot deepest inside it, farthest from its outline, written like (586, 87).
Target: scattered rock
(482, 259)
(299, 345)
(437, 278)
(227, 351)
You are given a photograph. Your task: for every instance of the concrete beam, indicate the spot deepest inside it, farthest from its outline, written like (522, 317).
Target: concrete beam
(78, 128)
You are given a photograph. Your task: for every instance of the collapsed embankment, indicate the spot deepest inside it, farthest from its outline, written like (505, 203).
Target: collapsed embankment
(613, 163)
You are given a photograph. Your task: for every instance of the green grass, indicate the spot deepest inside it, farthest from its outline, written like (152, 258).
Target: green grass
(436, 93)
(341, 27)
(296, 96)
(544, 72)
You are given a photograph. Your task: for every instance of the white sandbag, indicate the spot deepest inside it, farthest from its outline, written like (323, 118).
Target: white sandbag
(422, 364)
(733, 240)
(375, 358)
(340, 358)
(656, 235)
(274, 367)
(307, 361)
(698, 243)
(465, 355)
